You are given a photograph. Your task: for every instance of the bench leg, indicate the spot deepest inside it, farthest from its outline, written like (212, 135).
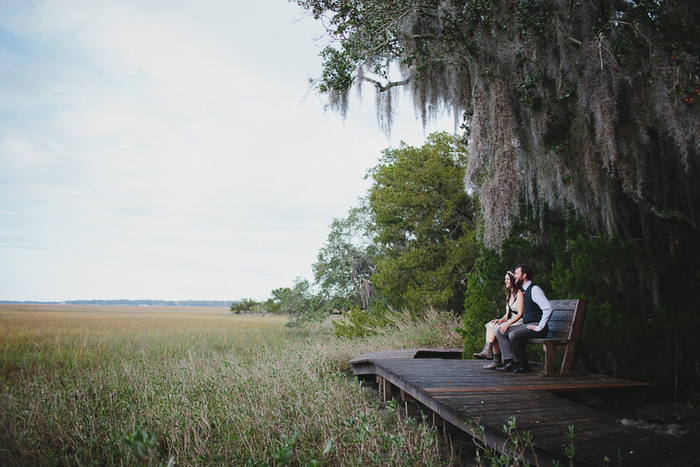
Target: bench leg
(568, 361)
(548, 358)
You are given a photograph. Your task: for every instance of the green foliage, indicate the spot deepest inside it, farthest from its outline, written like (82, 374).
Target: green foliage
(424, 222)
(243, 305)
(526, 91)
(419, 192)
(337, 71)
(358, 323)
(674, 27)
(345, 263)
(301, 303)
(271, 305)
(533, 17)
(629, 307)
(483, 298)
(570, 449)
(518, 447)
(282, 453)
(408, 245)
(140, 441)
(364, 426)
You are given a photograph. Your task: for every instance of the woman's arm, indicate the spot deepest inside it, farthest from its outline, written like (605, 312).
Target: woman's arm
(502, 318)
(519, 307)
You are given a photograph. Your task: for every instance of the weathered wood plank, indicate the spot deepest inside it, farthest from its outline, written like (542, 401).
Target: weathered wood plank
(460, 393)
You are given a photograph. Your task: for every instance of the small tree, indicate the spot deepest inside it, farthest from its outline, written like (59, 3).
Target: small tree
(345, 264)
(424, 225)
(243, 305)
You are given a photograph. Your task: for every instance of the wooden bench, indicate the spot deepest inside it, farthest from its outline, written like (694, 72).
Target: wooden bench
(564, 330)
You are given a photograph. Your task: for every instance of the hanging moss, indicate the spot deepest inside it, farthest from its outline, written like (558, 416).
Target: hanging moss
(588, 105)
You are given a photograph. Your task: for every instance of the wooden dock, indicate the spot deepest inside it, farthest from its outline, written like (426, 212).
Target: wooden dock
(463, 396)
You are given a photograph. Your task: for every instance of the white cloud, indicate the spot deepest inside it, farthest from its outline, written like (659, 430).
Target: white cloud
(164, 150)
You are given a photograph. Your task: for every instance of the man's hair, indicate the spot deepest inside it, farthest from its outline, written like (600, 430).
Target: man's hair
(525, 269)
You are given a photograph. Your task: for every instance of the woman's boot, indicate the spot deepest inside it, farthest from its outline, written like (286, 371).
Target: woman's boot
(496, 362)
(487, 353)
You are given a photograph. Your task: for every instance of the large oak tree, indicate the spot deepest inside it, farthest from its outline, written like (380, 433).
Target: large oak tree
(582, 121)
(588, 105)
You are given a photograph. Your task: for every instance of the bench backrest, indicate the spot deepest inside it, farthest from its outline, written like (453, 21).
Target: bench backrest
(567, 318)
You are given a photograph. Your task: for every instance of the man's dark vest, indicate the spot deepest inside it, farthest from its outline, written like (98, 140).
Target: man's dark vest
(532, 313)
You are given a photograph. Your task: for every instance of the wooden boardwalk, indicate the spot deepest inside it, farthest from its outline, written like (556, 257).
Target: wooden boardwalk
(462, 395)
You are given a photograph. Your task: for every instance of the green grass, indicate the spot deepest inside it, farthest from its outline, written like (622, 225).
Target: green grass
(120, 386)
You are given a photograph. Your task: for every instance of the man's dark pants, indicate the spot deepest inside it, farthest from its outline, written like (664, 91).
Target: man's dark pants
(513, 342)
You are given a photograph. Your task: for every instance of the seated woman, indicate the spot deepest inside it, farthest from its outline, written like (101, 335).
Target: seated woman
(513, 315)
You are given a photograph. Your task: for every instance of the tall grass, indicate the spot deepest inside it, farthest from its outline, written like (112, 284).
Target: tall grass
(98, 338)
(200, 388)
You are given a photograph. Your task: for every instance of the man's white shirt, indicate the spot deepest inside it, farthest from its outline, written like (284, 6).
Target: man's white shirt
(539, 297)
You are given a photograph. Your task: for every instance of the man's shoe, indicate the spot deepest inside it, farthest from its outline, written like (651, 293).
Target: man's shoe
(508, 366)
(522, 367)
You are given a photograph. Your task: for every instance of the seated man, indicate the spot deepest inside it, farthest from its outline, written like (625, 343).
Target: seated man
(536, 313)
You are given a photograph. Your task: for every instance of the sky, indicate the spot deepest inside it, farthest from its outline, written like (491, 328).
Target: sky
(171, 149)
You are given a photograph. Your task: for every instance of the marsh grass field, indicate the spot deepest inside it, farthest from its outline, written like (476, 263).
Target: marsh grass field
(99, 385)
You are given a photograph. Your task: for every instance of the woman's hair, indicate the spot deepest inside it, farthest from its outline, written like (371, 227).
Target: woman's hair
(513, 287)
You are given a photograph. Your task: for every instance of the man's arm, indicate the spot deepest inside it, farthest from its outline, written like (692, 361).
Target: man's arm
(546, 307)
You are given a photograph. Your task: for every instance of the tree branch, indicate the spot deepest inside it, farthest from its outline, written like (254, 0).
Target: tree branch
(385, 87)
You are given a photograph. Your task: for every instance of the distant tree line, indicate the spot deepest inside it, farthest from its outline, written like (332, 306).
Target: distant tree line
(296, 302)
(120, 302)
